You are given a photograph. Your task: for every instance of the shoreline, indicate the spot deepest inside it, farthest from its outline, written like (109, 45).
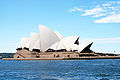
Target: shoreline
(80, 58)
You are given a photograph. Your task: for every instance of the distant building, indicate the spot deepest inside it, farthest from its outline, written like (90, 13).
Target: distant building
(49, 43)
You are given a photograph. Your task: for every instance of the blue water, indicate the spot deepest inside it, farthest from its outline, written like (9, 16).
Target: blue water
(102, 69)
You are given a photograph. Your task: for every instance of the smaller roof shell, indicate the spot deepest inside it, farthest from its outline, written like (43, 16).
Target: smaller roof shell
(34, 41)
(66, 43)
(25, 42)
(83, 46)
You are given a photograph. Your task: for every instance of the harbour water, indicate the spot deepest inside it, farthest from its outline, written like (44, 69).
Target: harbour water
(99, 69)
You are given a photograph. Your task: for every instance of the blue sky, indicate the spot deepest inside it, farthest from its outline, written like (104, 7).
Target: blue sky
(96, 20)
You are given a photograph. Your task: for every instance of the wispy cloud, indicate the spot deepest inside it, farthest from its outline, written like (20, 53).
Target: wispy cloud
(75, 9)
(108, 12)
(107, 40)
(95, 11)
(102, 40)
(109, 19)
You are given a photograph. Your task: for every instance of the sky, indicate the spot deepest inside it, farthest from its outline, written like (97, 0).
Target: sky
(92, 20)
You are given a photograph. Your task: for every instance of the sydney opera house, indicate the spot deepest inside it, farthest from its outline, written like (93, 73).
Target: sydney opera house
(51, 44)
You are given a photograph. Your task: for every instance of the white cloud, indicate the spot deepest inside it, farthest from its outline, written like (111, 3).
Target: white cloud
(75, 9)
(108, 12)
(94, 11)
(107, 4)
(104, 44)
(100, 14)
(103, 40)
(107, 40)
(114, 38)
(109, 19)
(72, 10)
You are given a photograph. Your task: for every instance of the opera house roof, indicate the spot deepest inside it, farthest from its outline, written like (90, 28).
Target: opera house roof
(48, 40)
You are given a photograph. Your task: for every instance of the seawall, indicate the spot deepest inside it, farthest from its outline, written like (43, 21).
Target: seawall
(84, 58)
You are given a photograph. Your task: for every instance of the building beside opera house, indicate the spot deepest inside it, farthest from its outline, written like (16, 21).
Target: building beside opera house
(52, 44)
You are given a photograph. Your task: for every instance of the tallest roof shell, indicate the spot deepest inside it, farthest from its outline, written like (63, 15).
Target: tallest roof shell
(47, 37)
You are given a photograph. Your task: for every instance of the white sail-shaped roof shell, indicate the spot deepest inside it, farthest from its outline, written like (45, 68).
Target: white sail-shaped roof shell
(75, 47)
(47, 37)
(54, 46)
(37, 44)
(25, 42)
(60, 36)
(34, 41)
(66, 43)
(83, 46)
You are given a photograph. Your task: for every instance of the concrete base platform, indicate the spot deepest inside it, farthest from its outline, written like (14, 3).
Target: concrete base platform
(32, 59)
(96, 57)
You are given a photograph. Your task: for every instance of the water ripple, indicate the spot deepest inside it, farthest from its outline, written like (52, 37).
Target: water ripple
(104, 69)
